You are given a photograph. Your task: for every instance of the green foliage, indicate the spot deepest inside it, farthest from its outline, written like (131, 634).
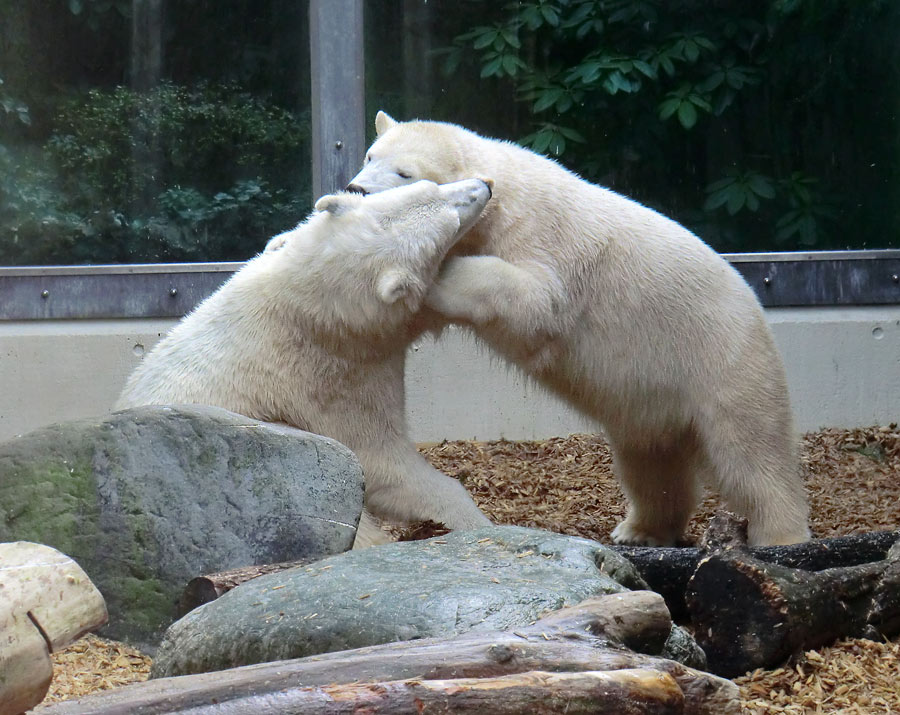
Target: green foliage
(499, 47)
(31, 214)
(734, 95)
(198, 226)
(13, 109)
(39, 227)
(173, 174)
(166, 136)
(552, 138)
(118, 145)
(739, 190)
(806, 211)
(685, 103)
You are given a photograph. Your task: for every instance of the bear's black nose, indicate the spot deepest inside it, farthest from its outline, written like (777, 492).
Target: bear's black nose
(356, 189)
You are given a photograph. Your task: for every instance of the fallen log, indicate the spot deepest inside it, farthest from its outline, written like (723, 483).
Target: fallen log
(667, 570)
(589, 637)
(46, 602)
(209, 587)
(620, 692)
(748, 613)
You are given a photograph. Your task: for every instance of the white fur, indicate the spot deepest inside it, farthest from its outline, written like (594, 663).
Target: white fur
(625, 314)
(313, 332)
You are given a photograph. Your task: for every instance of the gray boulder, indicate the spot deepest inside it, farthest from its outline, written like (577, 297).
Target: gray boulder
(495, 578)
(151, 497)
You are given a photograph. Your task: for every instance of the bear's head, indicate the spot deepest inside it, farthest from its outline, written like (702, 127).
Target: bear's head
(405, 152)
(366, 262)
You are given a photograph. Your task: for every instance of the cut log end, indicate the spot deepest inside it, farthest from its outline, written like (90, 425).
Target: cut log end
(46, 602)
(725, 531)
(209, 587)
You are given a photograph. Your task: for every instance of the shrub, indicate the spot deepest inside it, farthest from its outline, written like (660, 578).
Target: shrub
(173, 174)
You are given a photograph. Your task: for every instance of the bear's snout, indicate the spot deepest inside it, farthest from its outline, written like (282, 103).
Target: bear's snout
(356, 189)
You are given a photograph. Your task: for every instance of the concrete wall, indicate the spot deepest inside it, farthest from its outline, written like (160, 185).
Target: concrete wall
(843, 366)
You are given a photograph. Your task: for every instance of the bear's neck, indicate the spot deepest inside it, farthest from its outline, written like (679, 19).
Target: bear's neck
(526, 186)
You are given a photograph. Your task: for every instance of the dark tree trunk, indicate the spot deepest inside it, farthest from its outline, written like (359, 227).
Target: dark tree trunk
(749, 613)
(668, 570)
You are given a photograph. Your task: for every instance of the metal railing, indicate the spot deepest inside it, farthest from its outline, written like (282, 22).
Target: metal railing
(169, 290)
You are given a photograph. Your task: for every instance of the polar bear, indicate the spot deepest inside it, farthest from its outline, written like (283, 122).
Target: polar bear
(625, 314)
(313, 332)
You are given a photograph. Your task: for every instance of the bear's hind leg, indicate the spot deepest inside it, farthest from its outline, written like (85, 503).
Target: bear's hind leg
(755, 468)
(660, 480)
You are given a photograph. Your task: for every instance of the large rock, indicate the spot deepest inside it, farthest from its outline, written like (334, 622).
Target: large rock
(495, 578)
(151, 497)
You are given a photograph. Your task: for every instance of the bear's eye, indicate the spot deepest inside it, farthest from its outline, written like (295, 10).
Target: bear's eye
(368, 158)
(404, 175)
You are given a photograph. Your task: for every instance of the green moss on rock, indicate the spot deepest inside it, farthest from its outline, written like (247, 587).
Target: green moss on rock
(149, 498)
(52, 500)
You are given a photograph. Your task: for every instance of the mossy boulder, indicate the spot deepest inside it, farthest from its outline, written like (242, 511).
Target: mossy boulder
(493, 578)
(151, 497)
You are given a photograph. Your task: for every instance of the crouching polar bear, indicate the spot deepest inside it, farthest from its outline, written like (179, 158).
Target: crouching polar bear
(314, 335)
(625, 314)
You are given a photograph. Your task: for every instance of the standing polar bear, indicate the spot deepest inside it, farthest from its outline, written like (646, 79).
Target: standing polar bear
(625, 314)
(313, 332)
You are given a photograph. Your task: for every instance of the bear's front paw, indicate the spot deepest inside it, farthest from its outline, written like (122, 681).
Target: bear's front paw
(454, 295)
(442, 299)
(629, 534)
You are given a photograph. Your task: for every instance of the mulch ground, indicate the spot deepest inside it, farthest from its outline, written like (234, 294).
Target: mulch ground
(566, 485)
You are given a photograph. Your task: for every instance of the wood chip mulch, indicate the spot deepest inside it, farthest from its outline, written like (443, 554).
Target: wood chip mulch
(851, 676)
(92, 664)
(566, 485)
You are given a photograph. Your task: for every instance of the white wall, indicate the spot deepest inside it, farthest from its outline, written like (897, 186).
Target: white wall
(843, 367)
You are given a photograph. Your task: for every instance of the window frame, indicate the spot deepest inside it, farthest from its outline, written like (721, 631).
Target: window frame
(824, 278)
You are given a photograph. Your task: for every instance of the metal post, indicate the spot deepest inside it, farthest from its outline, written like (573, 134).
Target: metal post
(338, 92)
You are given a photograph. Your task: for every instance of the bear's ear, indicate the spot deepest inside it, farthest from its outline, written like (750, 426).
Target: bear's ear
(383, 122)
(394, 285)
(276, 242)
(335, 204)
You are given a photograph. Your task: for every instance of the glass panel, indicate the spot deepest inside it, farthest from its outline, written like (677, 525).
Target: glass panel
(762, 126)
(148, 131)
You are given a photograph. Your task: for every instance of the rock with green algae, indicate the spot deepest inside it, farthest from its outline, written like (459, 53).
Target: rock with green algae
(148, 498)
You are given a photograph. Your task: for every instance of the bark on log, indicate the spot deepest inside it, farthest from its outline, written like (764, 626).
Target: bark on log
(667, 570)
(46, 602)
(582, 638)
(209, 587)
(620, 692)
(748, 613)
